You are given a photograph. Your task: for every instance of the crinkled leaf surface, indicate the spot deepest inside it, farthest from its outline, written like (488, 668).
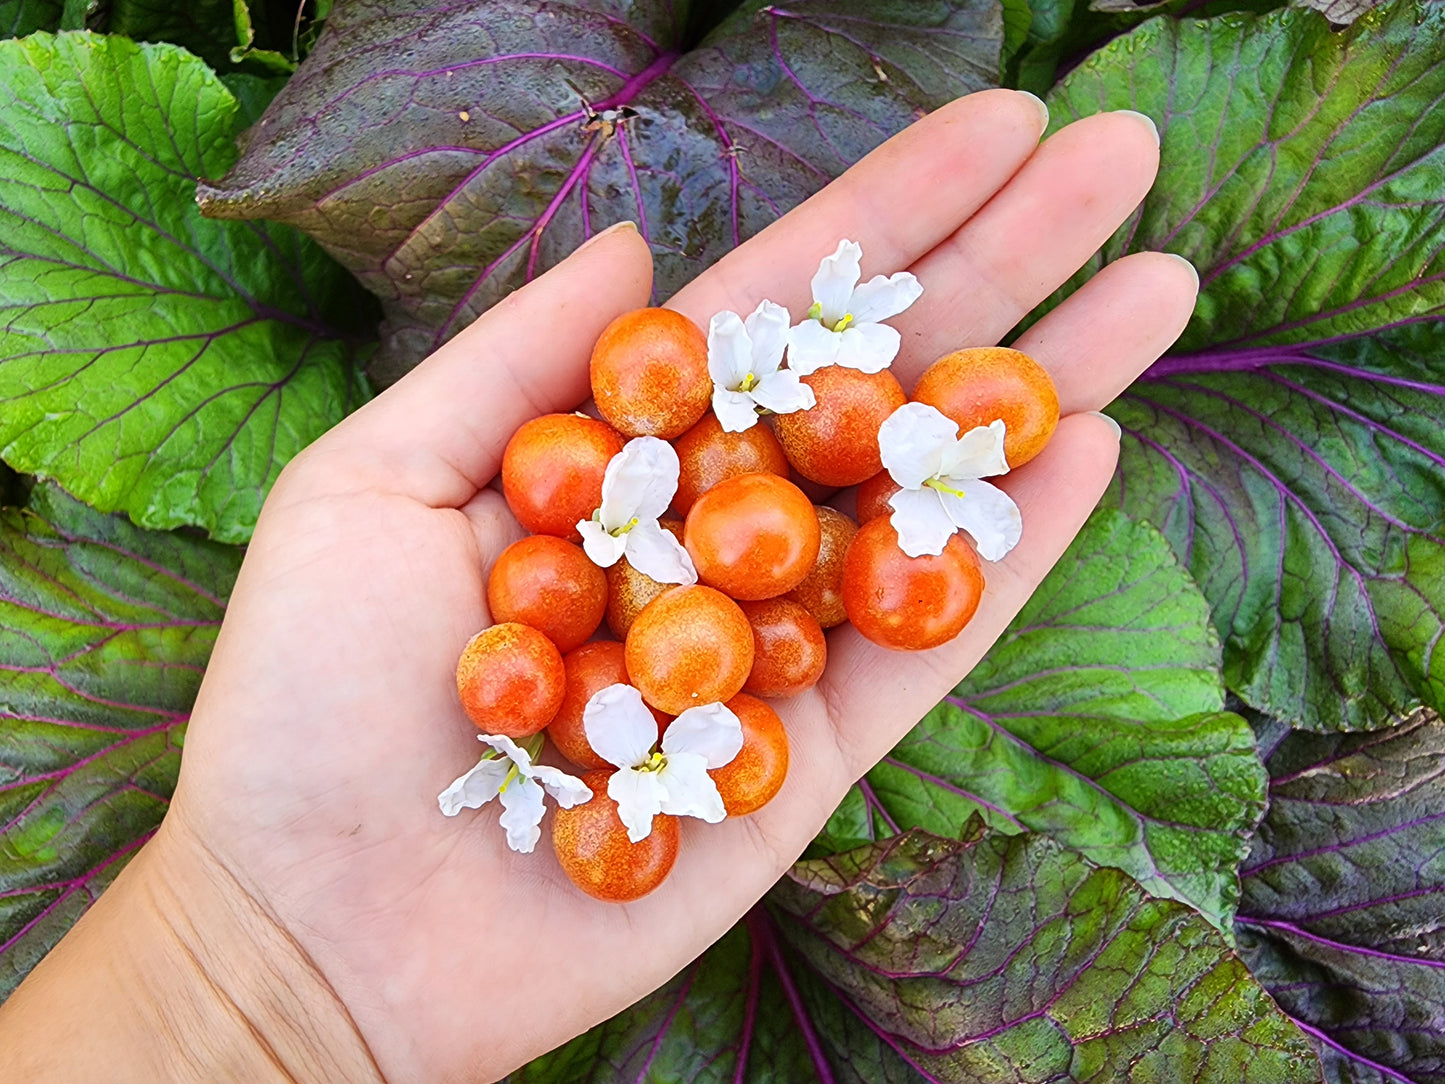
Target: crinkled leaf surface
(1343, 908)
(445, 155)
(1006, 958)
(1097, 719)
(152, 361)
(1290, 448)
(105, 630)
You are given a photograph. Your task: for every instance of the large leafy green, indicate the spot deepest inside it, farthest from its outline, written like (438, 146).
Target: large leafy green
(1290, 447)
(105, 630)
(1097, 718)
(1005, 958)
(152, 361)
(448, 154)
(1341, 915)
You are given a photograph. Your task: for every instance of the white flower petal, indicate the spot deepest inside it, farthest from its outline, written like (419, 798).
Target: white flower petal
(836, 277)
(729, 350)
(619, 727)
(655, 552)
(521, 814)
(913, 442)
(923, 526)
(782, 393)
(710, 731)
(882, 297)
(509, 749)
(768, 331)
(736, 411)
(987, 513)
(811, 347)
(639, 797)
(475, 788)
(639, 483)
(869, 348)
(567, 789)
(688, 790)
(602, 549)
(977, 454)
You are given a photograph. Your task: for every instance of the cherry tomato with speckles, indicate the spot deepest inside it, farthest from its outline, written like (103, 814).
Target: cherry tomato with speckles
(754, 536)
(510, 680)
(909, 603)
(628, 590)
(550, 585)
(594, 851)
(589, 669)
(689, 646)
(552, 472)
(708, 455)
(789, 648)
(753, 778)
(821, 591)
(873, 496)
(836, 442)
(649, 374)
(978, 386)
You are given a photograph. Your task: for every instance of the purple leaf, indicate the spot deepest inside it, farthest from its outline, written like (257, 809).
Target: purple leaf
(1006, 958)
(105, 630)
(448, 154)
(1342, 914)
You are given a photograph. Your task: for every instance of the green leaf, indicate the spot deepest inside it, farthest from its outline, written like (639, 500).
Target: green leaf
(1007, 958)
(1341, 916)
(1290, 448)
(21, 17)
(204, 27)
(105, 630)
(1097, 718)
(152, 361)
(449, 155)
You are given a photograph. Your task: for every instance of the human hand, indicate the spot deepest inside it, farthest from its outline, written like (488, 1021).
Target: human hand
(328, 719)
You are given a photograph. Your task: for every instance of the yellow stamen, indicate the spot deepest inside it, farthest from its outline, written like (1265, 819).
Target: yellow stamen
(749, 382)
(654, 763)
(842, 325)
(934, 483)
(620, 531)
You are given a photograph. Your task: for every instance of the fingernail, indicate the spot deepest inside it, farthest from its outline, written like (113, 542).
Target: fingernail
(1153, 128)
(1192, 269)
(1042, 108)
(616, 227)
(1118, 432)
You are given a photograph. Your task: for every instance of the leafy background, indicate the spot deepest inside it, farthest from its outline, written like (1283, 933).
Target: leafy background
(1184, 823)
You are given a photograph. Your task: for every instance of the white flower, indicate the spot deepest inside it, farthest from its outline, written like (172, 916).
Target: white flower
(844, 325)
(743, 361)
(939, 472)
(673, 780)
(637, 488)
(507, 771)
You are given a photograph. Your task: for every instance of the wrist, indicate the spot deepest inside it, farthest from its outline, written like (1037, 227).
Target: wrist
(179, 974)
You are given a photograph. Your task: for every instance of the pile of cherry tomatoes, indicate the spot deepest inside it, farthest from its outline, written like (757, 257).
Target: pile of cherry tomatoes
(776, 565)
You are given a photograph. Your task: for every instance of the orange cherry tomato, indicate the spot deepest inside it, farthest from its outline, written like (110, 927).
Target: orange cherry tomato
(589, 670)
(753, 778)
(836, 443)
(552, 471)
(753, 536)
(592, 847)
(510, 680)
(551, 585)
(708, 456)
(821, 591)
(628, 590)
(909, 603)
(689, 646)
(649, 373)
(789, 648)
(873, 496)
(978, 386)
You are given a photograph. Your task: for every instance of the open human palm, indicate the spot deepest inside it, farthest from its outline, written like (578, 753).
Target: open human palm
(328, 719)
